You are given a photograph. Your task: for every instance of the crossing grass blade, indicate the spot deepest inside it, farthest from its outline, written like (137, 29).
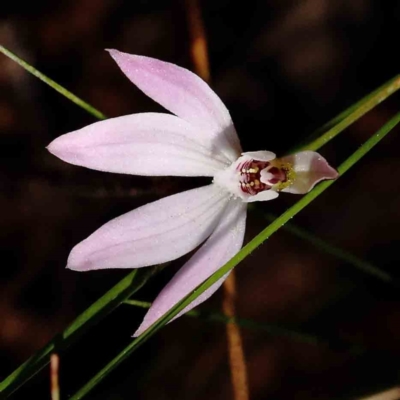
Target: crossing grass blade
(271, 329)
(347, 117)
(335, 251)
(92, 315)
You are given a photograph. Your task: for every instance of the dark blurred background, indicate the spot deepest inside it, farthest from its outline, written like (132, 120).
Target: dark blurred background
(283, 68)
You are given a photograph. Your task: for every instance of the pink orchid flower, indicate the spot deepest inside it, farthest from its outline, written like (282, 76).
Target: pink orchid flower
(198, 140)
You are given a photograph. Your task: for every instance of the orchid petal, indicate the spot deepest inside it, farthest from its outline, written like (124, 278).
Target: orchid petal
(310, 168)
(155, 233)
(261, 155)
(140, 144)
(184, 94)
(265, 195)
(222, 245)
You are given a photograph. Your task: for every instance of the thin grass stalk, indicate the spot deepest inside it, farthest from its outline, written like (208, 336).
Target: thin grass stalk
(237, 360)
(335, 251)
(386, 87)
(351, 115)
(60, 89)
(272, 329)
(54, 377)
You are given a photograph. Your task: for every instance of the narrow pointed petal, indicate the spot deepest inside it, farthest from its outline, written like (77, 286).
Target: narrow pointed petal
(140, 144)
(222, 245)
(155, 233)
(184, 94)
(310, 168)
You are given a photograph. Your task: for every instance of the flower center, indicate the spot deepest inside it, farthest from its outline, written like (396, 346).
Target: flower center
(257, 176)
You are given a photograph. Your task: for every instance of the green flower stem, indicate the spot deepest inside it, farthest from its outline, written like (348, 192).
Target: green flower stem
(349, 116)
(241, 255)
(97, 311)
(335, 251)
(70, 96)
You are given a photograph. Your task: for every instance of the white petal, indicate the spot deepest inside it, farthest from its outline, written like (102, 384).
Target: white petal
(140, 144)
(310, 168)
(184, 94)
(261, 155)
(223, 244)
(157, 232)
(262, 196)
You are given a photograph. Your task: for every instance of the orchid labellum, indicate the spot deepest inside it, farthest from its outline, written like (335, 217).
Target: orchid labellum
(197, 139)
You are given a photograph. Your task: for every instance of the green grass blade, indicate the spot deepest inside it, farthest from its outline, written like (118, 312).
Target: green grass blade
(334, 121)
(241, 255)
(335, 251)
(244, 323)
(70, 96)
(97, 311)
(338, 124)
(272, 329)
